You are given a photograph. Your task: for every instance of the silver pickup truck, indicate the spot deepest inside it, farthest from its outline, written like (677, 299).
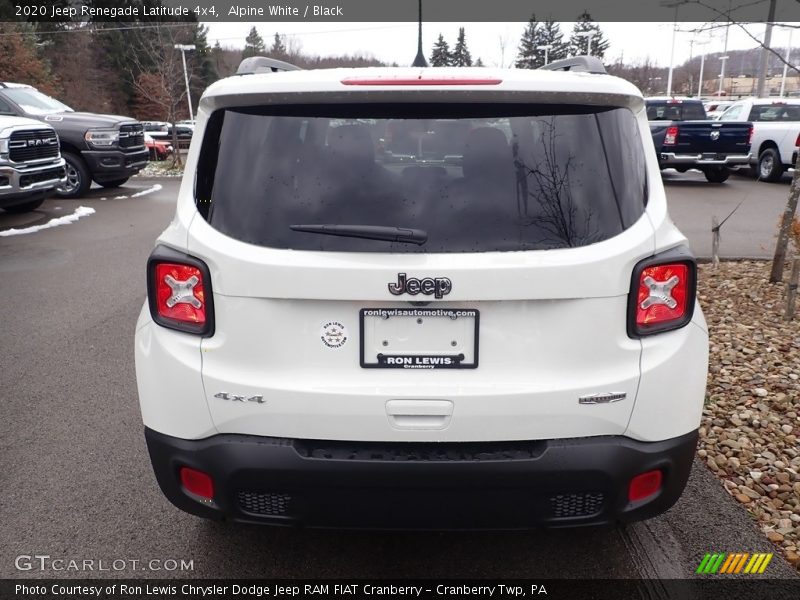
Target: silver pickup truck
(31, 166)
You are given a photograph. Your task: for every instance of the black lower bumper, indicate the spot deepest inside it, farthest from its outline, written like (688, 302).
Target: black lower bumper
(110, 165)
(508, 485)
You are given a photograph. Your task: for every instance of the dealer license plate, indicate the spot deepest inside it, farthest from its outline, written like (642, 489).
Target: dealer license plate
(419, 338)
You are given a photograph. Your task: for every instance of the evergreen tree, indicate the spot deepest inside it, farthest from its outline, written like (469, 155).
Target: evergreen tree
(278, 49)
(253, 44)
(479, 62)
(440, 55)
(550, 35)
(461, 56)
(578, 45)
(527, 54)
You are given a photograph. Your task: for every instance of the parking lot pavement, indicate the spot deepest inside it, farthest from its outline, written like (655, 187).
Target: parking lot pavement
(749, 233)
(77, 480)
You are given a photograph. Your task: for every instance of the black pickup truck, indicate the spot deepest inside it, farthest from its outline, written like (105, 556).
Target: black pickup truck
(685, 139)
(105, 148)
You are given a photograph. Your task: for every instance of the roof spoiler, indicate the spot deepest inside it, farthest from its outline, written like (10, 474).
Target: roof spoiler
(263, 64)
(583, 64)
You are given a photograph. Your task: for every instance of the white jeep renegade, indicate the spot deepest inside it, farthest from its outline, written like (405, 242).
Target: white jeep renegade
(422, 298)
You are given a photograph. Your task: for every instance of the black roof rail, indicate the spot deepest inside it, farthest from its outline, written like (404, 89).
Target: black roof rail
(263, 64)
(584, 64)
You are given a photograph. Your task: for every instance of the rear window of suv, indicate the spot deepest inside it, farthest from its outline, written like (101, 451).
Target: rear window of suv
(473, 177)
(675, 111)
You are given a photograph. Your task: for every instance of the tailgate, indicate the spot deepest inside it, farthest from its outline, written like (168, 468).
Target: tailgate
(305, 335)
(717, 138)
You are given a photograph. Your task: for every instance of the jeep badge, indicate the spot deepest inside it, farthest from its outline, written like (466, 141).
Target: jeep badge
(436, 286)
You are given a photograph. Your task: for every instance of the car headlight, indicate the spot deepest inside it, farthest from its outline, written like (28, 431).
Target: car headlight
(3, 147)
(102, 138)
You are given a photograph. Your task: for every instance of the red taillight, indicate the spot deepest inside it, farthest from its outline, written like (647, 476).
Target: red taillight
(197, 483)
(663, 295)
(421, 81)
(180, 293)
(671, 138)
(644, 485)
(750, 136)
(796, 141)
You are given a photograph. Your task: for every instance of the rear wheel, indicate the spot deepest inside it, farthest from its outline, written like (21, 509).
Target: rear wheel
(113, 184)
(26, 207)
(716, 174)
(78, 179)
(770, 167)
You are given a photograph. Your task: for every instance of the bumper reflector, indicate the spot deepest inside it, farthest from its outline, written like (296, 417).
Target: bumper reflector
(197, 483)
(644, 485)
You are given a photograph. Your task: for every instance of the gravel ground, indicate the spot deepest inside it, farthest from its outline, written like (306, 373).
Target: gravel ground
(161, 168)
(751, 421)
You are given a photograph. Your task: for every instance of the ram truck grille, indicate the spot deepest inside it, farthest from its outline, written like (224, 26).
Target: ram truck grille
(34, 144)
(131, 136)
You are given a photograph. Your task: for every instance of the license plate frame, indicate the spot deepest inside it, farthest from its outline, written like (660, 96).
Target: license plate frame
(419, 360)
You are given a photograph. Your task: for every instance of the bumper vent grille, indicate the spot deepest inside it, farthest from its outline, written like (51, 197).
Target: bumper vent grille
(580, 504)
(34, 144)
(48, 175)
(264, 503)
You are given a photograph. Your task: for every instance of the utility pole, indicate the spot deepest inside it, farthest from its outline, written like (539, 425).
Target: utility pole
(672, 4)
(420, 61)
(762, 61)
(786, 64)
(722, 74)
(588, 35)
(183, 48)
(702, 64)
(725, 49)
(546, 51)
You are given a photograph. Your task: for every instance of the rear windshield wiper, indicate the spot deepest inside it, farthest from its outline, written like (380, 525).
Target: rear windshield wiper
(368, 232)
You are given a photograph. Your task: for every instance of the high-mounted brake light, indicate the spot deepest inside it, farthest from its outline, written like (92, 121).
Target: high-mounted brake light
(179, 292)
(662, 293)
(671, 137)
(421, 81)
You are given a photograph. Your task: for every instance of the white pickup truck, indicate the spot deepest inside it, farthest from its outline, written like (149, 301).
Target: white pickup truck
(31, 166)
(776, 125)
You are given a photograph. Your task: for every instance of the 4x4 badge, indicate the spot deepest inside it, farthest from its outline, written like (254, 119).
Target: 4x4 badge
(436, 286)
(237, 398)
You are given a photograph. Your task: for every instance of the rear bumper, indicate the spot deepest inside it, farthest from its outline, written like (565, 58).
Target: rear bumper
(670, 159)
(507, 485)
(109, 165)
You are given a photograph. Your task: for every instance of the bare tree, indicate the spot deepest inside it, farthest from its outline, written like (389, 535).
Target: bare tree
(157, 73)
(779, 258)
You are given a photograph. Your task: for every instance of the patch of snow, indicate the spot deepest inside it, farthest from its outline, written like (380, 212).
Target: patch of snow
(119, 197)
(81, 211)
(149, 190)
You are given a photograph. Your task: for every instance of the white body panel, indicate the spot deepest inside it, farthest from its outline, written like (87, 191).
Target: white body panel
(781, 134)
(552, 323)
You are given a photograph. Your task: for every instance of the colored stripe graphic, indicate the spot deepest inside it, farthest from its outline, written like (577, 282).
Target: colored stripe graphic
(730, 561)
(741, 562)
(765, 563)
(717, 564)
(736, 562)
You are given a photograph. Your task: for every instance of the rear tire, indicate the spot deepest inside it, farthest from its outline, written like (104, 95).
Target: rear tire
(113, 184)
(717, 174)
(770, 167)
(78, 178)
(26, 207)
